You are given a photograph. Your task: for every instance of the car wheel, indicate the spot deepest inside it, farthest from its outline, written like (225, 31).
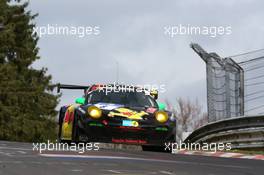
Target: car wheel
(75, 130)
(59, 132)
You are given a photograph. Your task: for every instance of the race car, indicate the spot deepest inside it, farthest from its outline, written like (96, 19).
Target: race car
(116, 114)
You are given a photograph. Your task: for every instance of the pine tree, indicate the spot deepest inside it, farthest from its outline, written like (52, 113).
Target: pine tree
(27, 105)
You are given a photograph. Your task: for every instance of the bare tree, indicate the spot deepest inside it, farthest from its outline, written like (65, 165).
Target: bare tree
(189, 116)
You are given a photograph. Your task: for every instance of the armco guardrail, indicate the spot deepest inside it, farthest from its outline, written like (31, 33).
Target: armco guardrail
(242, 132)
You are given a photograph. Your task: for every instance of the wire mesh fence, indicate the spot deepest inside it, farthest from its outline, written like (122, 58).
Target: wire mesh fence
(235, 84)
(225, 86)
(253, 66)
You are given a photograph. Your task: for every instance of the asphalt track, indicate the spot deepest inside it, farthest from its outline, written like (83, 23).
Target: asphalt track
(19, 159)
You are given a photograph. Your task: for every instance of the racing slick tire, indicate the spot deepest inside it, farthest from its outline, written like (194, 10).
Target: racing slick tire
(158, 148)
(75, 130)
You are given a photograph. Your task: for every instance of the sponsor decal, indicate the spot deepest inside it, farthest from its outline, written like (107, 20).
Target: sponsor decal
(129, 141)
(68, 122)
(130, 123)
(130, 114)
(108, 106)
(151, 110)
(69, 114)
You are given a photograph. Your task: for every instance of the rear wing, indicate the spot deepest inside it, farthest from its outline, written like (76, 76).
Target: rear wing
(68, 86)
(153, 92)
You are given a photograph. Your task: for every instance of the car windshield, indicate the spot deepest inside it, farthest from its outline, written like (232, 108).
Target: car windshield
(135, 99)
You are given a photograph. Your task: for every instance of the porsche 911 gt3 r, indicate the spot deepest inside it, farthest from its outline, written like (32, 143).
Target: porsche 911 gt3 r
(126, 115)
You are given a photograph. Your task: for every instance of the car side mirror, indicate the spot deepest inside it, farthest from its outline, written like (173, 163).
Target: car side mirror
(162, 106)
(154, 94)
(80, 100)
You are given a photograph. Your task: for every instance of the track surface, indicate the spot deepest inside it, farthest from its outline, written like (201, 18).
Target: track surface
(18, 158)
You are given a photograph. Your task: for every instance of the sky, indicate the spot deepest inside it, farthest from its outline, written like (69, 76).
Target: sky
(132, 34)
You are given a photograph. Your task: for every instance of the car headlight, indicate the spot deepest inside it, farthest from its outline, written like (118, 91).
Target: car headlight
(94, 112)
(161, 116)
